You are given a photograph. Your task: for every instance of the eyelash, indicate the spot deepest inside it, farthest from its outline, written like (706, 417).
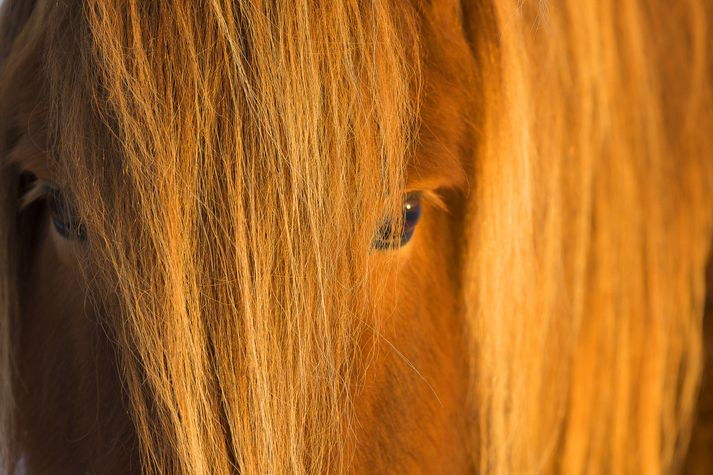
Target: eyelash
(64, 219)
(387, 238)
(69, 225)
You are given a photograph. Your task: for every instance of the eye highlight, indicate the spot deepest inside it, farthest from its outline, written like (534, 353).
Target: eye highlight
(64, 218)
(390, 238)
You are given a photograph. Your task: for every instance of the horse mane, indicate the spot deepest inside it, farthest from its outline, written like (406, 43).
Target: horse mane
(232, 159)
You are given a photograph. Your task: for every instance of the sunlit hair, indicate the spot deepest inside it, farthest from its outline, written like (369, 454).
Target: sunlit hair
(231, 161)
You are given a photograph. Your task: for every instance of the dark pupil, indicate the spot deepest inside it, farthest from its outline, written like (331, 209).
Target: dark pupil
(64, 218)
(395, 233)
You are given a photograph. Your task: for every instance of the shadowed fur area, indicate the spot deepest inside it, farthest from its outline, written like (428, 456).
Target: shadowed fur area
(231, 163)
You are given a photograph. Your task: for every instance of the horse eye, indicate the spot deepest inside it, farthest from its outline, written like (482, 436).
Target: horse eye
(390, 238)
(64, 218)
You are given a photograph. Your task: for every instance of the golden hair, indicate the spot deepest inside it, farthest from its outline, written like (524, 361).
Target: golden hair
(232, 159)
(591, 229)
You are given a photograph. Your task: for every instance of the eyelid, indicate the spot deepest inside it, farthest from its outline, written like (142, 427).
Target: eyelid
(434, 198)
(35, 192)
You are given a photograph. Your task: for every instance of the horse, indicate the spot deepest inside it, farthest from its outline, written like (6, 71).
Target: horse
(379, 236)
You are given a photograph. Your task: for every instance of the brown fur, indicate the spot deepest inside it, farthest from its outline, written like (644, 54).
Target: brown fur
(231, 162)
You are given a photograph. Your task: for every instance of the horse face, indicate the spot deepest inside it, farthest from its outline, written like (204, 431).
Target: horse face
(384, 236)
(405, 353)
(417, 354)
